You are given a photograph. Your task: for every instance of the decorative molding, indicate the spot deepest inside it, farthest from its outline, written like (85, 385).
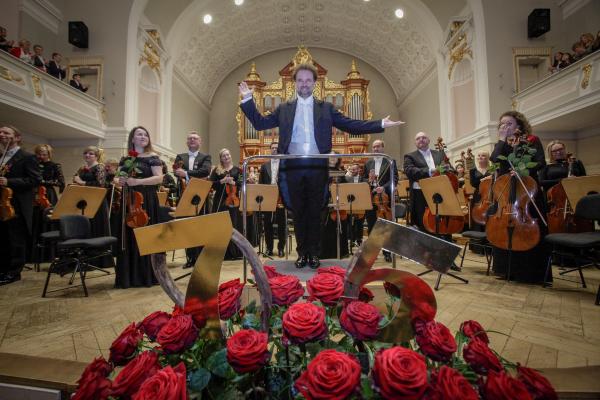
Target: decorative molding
(5, 73)
(37, 88)
(587, 72)
(43, 12)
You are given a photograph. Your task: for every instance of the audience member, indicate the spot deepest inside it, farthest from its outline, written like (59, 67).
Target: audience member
(77, 84)
(567, 59)
(556, 62)
(596, 44)
(579, 51)
(587, 39)
(38, 58)
(5, 44)
(22, 52)
(54, 68)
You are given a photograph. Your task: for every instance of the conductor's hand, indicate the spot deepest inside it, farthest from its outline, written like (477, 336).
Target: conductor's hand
(245, 91)
(388, 123)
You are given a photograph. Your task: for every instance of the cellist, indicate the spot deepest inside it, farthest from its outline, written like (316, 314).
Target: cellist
(560, 166)
(526, 266)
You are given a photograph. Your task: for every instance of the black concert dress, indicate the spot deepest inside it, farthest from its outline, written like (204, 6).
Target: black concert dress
(132, 269)
(218, 205)
(553, 173)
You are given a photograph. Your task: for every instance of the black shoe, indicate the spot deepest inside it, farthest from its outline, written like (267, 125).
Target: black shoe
(301, 262)
(387, 256)
(280, 253)
(314, 262)
(10, 278)
(189, 264)
(269, 253)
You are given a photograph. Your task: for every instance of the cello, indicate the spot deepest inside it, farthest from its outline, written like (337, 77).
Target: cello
(447, 225)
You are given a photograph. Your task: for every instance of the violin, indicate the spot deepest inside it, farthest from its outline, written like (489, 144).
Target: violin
(446, 225)
(182, 182)
(382, 202)
(7, 211)
(136, 215)
(232, 199)
(41, 198)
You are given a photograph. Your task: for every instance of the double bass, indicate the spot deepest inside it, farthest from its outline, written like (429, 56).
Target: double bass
(446, 225)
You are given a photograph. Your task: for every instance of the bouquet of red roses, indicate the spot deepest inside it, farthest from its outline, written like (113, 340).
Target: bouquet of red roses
(320, 346)
(129, 167)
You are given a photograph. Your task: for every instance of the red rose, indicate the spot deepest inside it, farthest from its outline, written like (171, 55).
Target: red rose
(501, 386)
(334, 269)
(167, 384)
(93, 383)
(480, 358)
(178, 334)
(326, 287)
(365, 295)
(531, 139)
(538, 386)
(330, 375)
(135, 373)
(285, 289)
(474, 330)
(247, 351)
(132, 153)
(125, 345)
(229, 298)
(435, 340)
(304, 322)
(201, 310)
(271, 271)
(361, 320)
(449, 384)
(400, 373)
(152, 324)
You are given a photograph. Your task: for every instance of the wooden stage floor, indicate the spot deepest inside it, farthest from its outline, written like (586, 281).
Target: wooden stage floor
(541, 328)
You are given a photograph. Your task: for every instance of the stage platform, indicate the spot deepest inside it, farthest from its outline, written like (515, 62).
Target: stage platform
(288, 267)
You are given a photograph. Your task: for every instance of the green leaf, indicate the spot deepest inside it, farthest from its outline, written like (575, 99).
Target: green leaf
(251, 307)
(127, 163)
(218, 365)
(313, 349)
(366, 388)
(250, 281)
(531, 164)
(199, 379)
(501, 158)
(251, 321)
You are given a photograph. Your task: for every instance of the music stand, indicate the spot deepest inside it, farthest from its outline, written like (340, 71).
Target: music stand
(442, 201)
(193, 198)
(578, 187)
(261, 198)
(191, 202)
(352, 197)
(84, 200)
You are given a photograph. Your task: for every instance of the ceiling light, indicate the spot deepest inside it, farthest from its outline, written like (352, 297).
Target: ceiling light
(207, 19)
(238, 2)
(399, 13)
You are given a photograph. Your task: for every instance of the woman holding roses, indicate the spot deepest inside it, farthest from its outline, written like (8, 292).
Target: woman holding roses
(140, 171)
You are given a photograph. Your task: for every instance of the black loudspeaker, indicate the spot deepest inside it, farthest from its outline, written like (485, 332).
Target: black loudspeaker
(78, 34)
(538, 22)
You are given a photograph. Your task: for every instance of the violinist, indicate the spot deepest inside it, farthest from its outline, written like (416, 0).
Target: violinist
(268, 176)
(52, 175)
(93, 173)
(378, 172)
(476, 174)
(560, 166)
(418, 165)
(168, 184)
(19, 176)
(459, 167)
(192, 164)
(227, 179)
(329, 217)
(356, 230)
(526, 266)
(132, 269)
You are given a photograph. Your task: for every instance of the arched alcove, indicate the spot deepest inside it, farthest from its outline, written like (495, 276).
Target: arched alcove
(462, 92)
(148, 113)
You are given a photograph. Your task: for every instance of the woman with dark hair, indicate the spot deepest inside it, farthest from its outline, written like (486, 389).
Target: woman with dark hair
(143, 176)
(526, 266)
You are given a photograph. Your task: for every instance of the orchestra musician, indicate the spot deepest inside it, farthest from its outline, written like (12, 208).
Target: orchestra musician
(421, 163)
(93, 173)
(526, 266)
(560, 166)
(192, 164)
(132, 269)
(268, 174)
(378, 172)
(476, 174)
(168, 184)
(305, 127)
(227, 179)
(356, 230)
(329, 218)
(19, 173)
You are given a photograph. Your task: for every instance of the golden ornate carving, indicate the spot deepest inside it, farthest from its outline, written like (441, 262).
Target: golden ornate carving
(457, 55)
(155, 35)
(329, 84)
(6, 74)
(37, 88)
(103, 113)
(302, 57)
(275, 85)
(353, 74)
(514, 104)
(587, 73)
(253, 75)
(151, 57)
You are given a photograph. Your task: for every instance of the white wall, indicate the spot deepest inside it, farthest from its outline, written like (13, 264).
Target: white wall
(188, 114)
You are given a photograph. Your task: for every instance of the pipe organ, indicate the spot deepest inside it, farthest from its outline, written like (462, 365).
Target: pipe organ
(350, 96)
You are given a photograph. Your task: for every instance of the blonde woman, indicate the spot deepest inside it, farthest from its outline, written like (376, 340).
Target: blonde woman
(560, 166)
(52, 175)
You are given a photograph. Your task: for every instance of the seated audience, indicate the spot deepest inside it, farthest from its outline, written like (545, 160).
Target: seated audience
(22, 52)
(54, 68)
(38, 58)
(587, 39)
(579, 51)
(77, 84)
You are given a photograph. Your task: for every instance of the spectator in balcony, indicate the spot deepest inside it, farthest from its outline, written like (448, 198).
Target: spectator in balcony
(5, 44)
(23, 52)
(567, 59)
(54, 68)
(38, 58)
(587, 39)
(556, 62)
(579, 51)
(596, 44)
(77, 84)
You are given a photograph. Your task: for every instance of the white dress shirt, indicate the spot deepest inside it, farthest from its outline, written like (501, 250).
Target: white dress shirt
(274, 171)
(303, 131)
(378, 161)
(430, 163)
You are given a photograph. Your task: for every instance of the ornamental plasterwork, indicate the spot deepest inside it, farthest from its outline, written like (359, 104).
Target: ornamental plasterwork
(329, 84)
(37, 88)
(587, 73)
(395, 47)
(457, 55)
(5, 73)
(151, 53)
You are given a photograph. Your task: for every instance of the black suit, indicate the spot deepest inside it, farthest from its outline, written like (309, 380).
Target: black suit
(268, 217)
(416, 168)
(383, 180)
(201, 169)
(78, 85)
(55, 70)
(355, 230)
(303, 182)
(23, 178)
